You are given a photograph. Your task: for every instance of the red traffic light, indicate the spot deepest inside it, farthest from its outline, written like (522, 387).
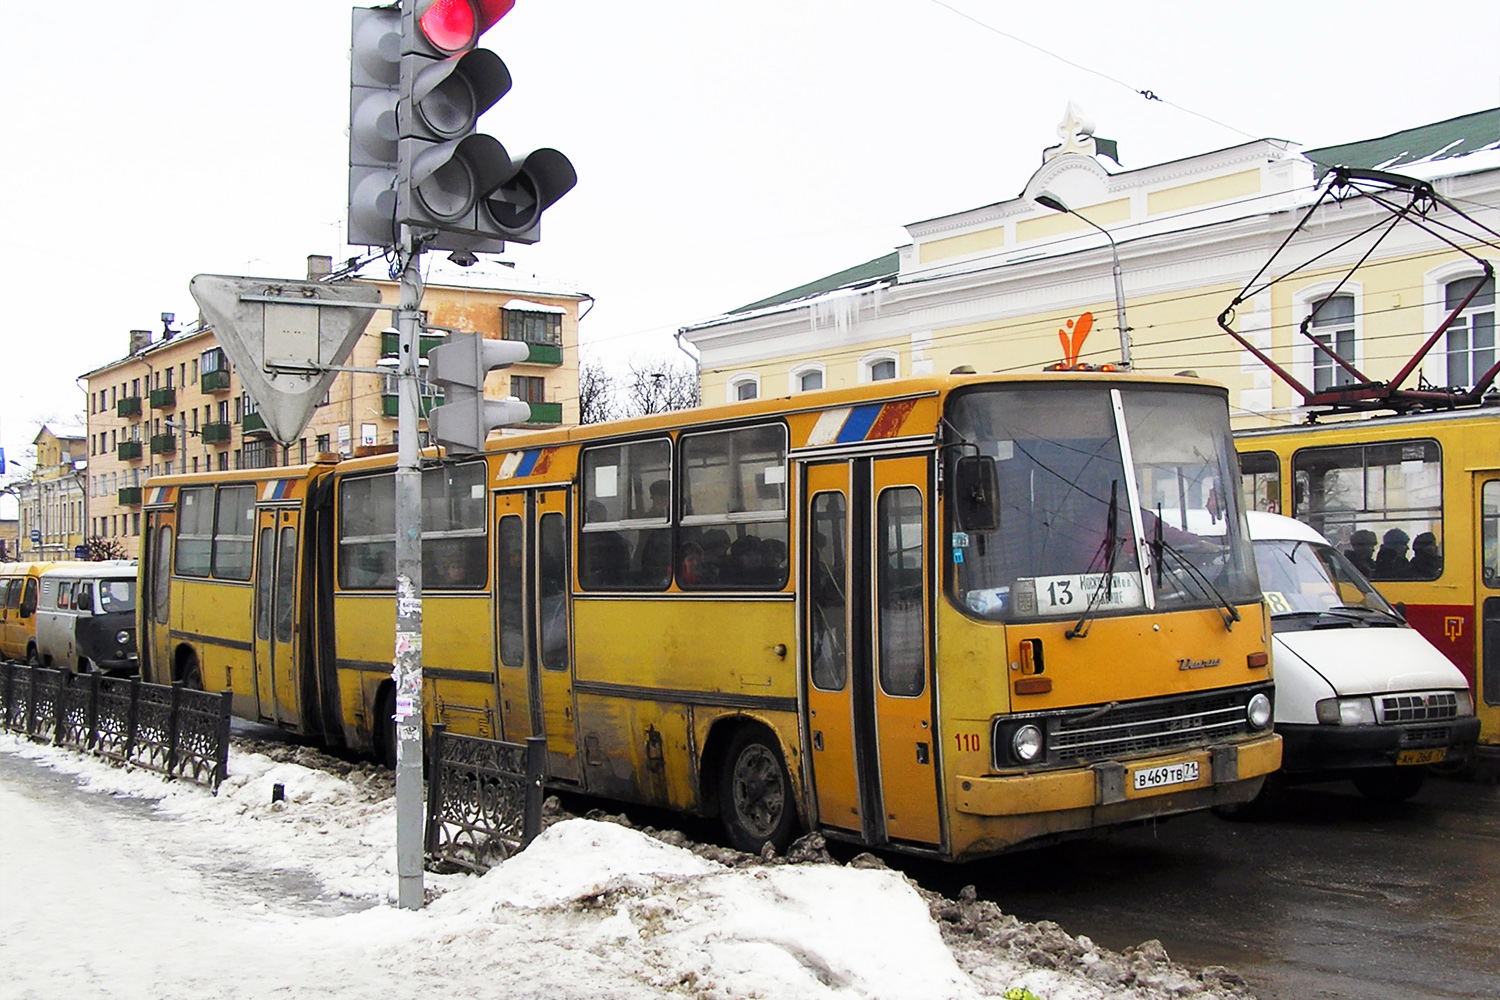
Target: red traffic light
(451, 26)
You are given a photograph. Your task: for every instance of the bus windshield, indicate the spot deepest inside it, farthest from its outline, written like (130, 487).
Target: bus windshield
(1069, 541)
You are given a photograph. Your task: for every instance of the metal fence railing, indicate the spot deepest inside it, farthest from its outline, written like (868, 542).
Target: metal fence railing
(484, 798)
(169, 729)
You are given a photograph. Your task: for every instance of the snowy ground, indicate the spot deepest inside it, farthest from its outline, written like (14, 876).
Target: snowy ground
(167, 891)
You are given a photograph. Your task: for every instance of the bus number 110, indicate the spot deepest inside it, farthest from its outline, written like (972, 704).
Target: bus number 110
(967, 741)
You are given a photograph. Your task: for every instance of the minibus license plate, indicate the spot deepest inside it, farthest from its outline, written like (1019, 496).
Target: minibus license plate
(1434, 756)
(1167, 774)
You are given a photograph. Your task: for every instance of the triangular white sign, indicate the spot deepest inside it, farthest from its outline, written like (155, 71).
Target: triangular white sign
(281, 340)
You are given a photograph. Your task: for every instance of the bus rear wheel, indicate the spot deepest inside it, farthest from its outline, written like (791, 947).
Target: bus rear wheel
(755, 793)
(383, 732)
(191, 676)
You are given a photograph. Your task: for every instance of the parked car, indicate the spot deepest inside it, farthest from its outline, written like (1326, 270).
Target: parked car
(1359, 693)
(19, 583)
(85, 619)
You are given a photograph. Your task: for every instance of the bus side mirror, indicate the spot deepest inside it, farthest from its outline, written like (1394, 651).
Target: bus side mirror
(976, 493)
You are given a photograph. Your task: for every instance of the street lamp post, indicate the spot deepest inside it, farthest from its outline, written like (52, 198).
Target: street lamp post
(1056, 204)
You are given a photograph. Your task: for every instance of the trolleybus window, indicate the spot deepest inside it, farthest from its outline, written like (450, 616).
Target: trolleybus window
(234, 533)
(626, 539)
(1489, 529)
(1260, 481)
(734, 516)
(1387, 494)
(1066, 542)
(827, 603)
(899, 575)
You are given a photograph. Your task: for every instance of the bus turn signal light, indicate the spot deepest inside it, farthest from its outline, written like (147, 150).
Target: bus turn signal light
(1257, 660)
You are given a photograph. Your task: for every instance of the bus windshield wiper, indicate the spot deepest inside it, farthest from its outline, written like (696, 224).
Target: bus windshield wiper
(1231, 613)
(1110, 548)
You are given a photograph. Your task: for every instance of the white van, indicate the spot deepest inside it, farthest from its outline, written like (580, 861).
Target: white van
(1359, 693)
(85, 618)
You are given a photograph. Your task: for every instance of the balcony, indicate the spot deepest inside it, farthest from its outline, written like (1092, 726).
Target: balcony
(215, 381)
(217, 433)
(129, 451)
(163, 444)
(390, 344)
(544, 354)
(161, 398)
(130, 496)
(128, 406)
(253, 423)
(390, 405)
(545, 414)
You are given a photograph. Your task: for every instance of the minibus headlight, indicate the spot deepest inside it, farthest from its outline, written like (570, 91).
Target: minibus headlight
(1258, 711)
(122, 636)
(1346, 712)
(1026, 743)
(1465, 704)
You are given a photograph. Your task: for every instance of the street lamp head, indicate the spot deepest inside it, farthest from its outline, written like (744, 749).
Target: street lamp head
(1053, 202)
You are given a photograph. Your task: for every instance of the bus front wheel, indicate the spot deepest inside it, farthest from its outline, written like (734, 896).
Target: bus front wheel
(755, 793)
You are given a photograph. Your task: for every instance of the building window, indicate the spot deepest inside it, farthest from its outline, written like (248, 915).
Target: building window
(323, 443)
(1333, 327)
(879, 366)
(807, 378)
(1471, 338)
(743, 386)
(533, 325)
(529, 388)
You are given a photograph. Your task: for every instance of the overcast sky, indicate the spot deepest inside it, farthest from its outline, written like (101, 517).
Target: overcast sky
(725, 151)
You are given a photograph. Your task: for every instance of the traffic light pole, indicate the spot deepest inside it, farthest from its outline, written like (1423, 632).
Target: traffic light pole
(408, 658)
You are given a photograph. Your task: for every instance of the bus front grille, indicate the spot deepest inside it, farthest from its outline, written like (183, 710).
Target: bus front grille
(1416, 706)
(1137, 729)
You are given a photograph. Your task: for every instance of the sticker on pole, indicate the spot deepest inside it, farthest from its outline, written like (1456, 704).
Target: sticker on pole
(282, 337)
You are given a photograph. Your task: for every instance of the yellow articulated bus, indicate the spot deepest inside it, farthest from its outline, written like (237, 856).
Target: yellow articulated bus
(1414, 502)
(940, 615)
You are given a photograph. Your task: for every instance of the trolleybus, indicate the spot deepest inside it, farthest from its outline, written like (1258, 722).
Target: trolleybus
(1413, 501)
(943, 615)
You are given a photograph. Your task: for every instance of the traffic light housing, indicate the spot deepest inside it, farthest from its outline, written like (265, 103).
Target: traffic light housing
(465, 418)
(374, 128)
(450, 179)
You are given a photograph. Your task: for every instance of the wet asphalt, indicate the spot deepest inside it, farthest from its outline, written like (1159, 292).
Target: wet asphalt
(1333, 897)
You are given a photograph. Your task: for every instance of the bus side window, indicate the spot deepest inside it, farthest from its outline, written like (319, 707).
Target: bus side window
(28, 598)
(64, 595)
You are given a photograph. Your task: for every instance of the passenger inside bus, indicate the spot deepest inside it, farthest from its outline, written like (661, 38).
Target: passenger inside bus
(1391, 562)
(1361, 551)
(1426, 561)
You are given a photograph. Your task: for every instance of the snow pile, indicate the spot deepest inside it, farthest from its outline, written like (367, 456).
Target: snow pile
(590, 909)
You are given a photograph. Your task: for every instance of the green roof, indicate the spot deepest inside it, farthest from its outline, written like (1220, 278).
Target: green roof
(850, 277)
(1439, 141)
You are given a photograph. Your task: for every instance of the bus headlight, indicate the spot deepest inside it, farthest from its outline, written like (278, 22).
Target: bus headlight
(1346, 712)
(122, 637)
(1465, 704)
(1258, 711)
(1026, 743)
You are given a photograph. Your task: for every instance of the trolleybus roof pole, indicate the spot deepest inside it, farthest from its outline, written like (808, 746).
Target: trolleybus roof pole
(408, 655)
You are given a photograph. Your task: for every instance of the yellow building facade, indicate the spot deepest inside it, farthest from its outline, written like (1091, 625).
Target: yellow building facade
(51, 514)
(174, 404)
(1009, 286)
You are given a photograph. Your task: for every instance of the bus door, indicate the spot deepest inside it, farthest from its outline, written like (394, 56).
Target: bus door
(867, 647)
(1487, 605)
(153, 642)
(533, 606)
(276, 624)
